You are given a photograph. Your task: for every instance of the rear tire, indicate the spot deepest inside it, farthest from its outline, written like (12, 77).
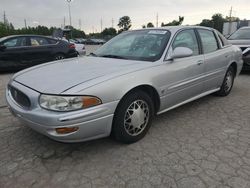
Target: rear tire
(133, 117)
(228, 82)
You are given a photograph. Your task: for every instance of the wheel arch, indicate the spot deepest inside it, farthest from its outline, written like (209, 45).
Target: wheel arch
(148, 89)
(234, 65)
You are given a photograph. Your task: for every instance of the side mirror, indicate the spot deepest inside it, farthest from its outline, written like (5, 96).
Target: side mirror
(2, 47)
(181, 52)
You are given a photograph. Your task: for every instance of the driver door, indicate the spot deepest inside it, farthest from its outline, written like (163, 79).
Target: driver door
(11, 57)
(184, 76)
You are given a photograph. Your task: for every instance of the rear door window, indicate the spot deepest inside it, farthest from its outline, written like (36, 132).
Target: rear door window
(38, 41)
(208, 40)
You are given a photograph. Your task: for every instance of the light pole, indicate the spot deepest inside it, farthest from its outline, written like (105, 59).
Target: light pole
(69, 1)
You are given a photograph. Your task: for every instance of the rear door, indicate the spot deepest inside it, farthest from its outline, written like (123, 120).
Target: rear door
(184, 75)
(39, 50)
(12, 56)
(216, 59)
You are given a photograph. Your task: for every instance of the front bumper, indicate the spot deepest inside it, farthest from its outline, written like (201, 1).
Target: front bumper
(92, 123)
(246, 60)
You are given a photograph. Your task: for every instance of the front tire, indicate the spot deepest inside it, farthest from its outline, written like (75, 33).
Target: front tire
(133, 117)
(59, 56)
(228, 82)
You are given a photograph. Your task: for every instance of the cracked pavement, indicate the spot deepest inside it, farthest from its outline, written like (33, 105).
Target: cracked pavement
(202, 144)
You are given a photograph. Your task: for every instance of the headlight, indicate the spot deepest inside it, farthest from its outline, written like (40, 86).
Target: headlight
(67, 103)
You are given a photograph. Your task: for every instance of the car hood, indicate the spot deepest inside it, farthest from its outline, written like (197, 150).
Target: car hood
(58, 77)
(240, 42)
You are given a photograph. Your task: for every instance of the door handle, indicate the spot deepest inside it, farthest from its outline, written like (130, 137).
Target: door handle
(200, 62)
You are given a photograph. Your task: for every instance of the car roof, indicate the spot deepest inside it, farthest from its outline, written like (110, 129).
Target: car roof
(26, 35)
(245, 27)
(176, 28)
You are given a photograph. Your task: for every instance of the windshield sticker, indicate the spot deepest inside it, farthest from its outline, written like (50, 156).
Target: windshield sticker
(157, 32)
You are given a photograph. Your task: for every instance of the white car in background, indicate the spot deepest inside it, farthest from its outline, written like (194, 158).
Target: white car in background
(80, 48)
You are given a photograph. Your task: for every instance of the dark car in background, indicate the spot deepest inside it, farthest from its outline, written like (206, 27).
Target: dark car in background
(241, 38)
(22, 51)
(95, 41)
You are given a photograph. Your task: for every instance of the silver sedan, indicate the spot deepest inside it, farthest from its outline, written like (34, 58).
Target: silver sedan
(118, 89)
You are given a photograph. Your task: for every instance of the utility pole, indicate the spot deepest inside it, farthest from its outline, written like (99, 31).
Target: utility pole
(80, 24)
(157, 19)
(112, 21)
(64, 21)
(69, 1)
(101, 24)
(4, 18)
(230, 21)
(25, 24)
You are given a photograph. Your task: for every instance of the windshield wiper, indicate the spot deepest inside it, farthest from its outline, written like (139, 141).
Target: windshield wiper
(113, 56)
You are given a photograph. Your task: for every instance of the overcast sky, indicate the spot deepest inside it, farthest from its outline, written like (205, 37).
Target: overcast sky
(52, 12)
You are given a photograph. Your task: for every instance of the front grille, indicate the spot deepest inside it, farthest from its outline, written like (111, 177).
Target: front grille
(20, 97)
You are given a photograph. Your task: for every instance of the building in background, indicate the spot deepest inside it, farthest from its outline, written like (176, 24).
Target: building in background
(231, 27)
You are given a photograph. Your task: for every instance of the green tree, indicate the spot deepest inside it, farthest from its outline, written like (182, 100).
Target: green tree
(109, 32)
(150, 25)
(218, 21)
(233, 19)
(174, 22)
(124, 23)
(206, 23)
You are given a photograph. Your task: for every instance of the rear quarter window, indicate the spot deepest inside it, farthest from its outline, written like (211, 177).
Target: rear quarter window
(222, 39)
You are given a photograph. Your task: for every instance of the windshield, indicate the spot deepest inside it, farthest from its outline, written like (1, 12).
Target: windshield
(144, 45)
(241, 34)
(2, 39)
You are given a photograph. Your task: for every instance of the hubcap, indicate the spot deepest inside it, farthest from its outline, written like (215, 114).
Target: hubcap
(59, 57)
(228, 81)
(136, 117)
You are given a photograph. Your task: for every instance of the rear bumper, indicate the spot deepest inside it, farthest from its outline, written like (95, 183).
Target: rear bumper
(72, 54)
(81, 52)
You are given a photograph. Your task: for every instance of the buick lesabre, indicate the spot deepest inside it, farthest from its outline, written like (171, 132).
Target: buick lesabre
(118, 89)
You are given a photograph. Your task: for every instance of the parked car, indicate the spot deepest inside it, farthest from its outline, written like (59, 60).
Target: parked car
(73, 41)
(22, 51)
(95, 41)
(118, 89)
(241, 38)
(81, 40)
(80, 48)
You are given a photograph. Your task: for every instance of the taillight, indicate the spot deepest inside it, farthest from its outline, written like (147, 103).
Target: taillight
(72, 46)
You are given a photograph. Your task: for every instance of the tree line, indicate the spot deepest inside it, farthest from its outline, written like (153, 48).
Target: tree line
(124, 24)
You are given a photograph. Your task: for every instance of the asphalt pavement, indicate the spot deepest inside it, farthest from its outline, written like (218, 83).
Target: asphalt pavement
(202, 144)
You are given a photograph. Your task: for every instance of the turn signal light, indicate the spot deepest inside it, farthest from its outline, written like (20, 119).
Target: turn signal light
(90, 101)
(66, 130)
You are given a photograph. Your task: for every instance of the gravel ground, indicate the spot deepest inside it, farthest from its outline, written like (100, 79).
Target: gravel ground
(201, 144)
